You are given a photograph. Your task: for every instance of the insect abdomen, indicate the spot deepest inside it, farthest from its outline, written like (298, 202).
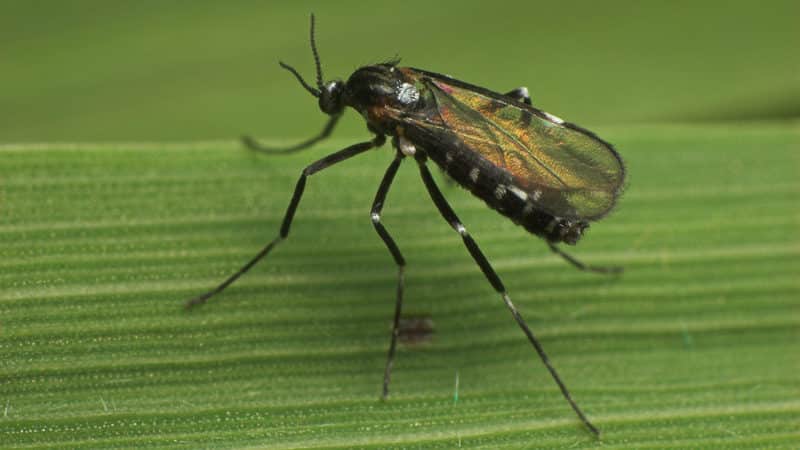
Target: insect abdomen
(496, 187)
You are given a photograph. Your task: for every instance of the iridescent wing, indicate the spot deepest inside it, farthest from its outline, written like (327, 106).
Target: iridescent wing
(567, 170)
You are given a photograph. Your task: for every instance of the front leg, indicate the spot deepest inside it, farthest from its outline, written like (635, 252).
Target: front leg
(311, 169)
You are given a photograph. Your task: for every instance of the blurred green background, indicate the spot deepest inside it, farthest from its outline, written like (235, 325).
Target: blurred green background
(179, 70)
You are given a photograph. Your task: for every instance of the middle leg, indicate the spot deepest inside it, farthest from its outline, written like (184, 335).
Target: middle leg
(377, 207)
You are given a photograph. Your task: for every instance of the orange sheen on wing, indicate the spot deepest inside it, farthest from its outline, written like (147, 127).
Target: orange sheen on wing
(579, 174)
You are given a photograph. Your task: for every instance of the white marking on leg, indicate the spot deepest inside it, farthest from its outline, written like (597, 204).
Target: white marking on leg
(500, 191)
(473, 174)
(508, 303)
(376, 218)
(461, 230)
(406, 147)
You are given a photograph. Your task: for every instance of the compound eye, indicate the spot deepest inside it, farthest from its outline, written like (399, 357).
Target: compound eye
(330, 98)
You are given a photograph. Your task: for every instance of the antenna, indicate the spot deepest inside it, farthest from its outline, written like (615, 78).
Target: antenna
(316, 55)
(309, 88)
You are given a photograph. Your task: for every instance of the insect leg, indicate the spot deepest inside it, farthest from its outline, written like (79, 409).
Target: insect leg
(451, 218)
(252, 144)
(377, 206)
(311, 169)
(520, 94)
(577, 263)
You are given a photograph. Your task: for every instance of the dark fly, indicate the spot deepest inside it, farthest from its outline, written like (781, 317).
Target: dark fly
(548, 175)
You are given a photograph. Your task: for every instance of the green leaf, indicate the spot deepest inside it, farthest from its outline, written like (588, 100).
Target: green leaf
(694, 346)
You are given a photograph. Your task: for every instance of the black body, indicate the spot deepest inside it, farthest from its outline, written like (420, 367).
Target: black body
(372, 90)
(401, 103)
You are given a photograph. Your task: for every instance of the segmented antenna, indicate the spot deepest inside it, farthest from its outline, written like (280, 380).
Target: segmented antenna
(309, 88)
(316, 55)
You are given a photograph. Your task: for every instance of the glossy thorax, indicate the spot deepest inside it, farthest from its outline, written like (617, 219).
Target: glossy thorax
(398, 102)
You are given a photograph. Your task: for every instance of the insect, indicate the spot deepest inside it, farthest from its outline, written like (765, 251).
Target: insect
(548, 175)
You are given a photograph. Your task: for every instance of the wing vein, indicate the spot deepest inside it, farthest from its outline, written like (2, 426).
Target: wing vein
(484, 120)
